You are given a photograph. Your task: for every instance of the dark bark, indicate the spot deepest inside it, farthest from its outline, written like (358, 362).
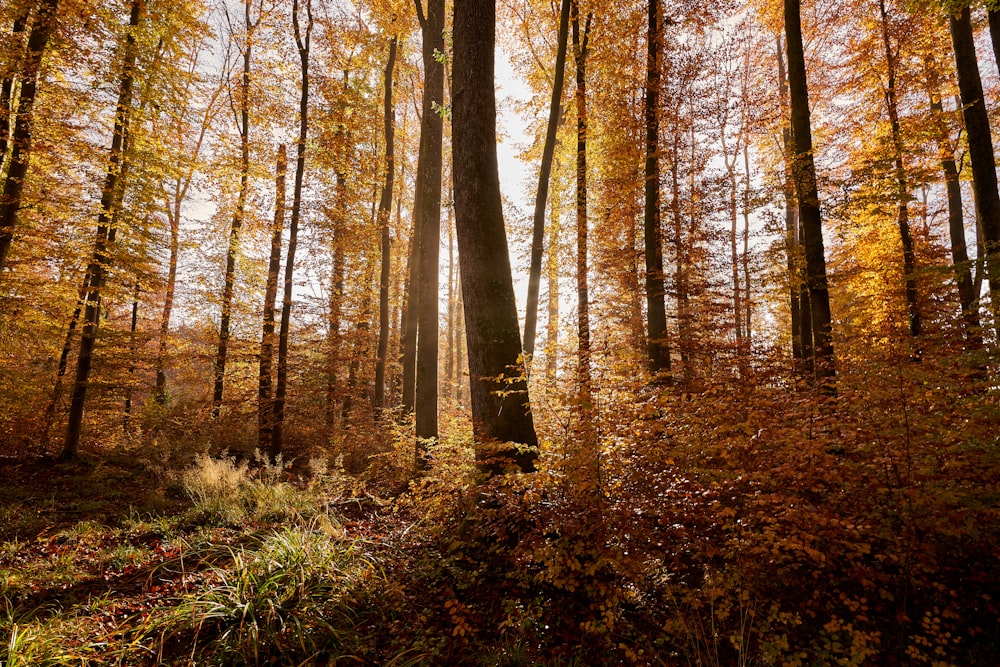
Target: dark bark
(133, 357)
(657, 348)
(431, 133)
(265, 406)
(993, 16)
(582, 287)
(232, 249)
(7, 87)
(302, 41)
(384, 213)
(791, 212)
(967, 295)
(548, 150)
(902, 190)
(804, 176)
(500, 414)
(10, 201)
(97, 270)
(981, 156)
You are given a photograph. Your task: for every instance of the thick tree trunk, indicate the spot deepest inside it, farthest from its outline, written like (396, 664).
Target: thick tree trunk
(981, 156)
(10, 200)
(500, 410)
(431, 133)
(384, 213)
(265, 406)
(110, 202)
(548, 150)
(582, 287)
(804, 174)
(302, 41)
(657, 348)
(232, 249)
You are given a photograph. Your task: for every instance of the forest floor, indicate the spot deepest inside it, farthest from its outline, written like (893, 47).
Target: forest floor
(715, 532)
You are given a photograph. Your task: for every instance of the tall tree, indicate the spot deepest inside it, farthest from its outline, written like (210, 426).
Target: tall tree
(429, 201)
(31, 65)
(902, 189)
(538, 221)
(7, 87)
(502, 423)
(657, 348)
(791, 213)
(582, 288)
(265, 404)
(302, 43)
(807, 195)
(98, 268)
(384, 211)
(981, 156)
(243, 125)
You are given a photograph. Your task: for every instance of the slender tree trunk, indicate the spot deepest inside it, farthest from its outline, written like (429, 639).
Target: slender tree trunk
(7, 87)
(791, 212)
(10, 201)
(804, 173)
(449, 360)
(411, 306)
(981, 156)
(133, 356)
(334, 341)
(265, 406)
(552, 280)
(110, 202)
(431, 133)
(548, 150)
(902, 190)
(461, 361)
(657, 348)
(500, 412)
(745, 257)
(582, 289)
(241, 203)
(967, 295)
(302, 41)
(384, 213)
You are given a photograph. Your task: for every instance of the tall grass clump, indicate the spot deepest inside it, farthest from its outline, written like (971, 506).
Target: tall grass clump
(292, 597)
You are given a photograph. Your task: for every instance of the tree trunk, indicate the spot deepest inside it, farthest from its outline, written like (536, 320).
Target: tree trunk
(582, 289)
(902, 190)
(449, 359)
(791, 211)
(384, 213)
(234, 232)
(431, 132)
(745, 258)
(302, 41)
(110, 202)
(981, 156)
(265, 406)
(132, 356)
(552, 280)
(548, 150)
(657, 348)
(500, 414)
(993, 16)
(7, 87)
(804, 174)
(10, 201)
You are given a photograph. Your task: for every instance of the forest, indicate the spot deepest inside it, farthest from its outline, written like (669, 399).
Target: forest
(499, 332)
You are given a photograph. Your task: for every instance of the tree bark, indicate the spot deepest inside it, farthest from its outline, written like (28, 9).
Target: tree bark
(302, 41)
(500, 414)
(582, 287)
(806, 192)
(384, 213)
(237, 224)
(657, 348)
(791, 211)
(10, 201)
(431, 133)
(552, 280)
(110, 202)
(902, 190)
(981, 156)
(548, 150)
(7, 87)
(265, 406)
